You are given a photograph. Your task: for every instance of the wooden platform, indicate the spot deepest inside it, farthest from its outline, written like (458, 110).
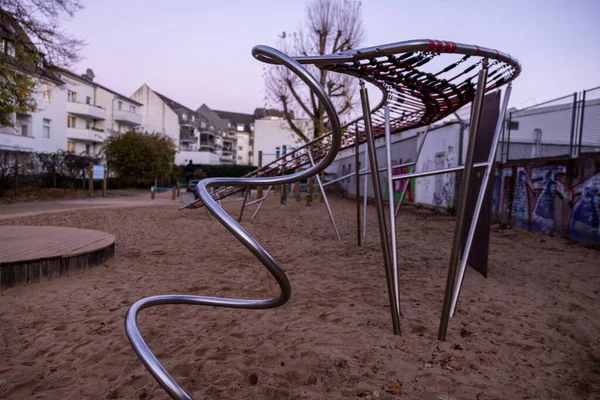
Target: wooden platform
(32, 253)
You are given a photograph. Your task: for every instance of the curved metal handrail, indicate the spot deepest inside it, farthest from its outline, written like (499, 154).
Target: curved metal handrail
(149, 360)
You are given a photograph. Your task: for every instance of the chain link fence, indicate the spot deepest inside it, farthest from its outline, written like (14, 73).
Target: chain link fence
(566, 126)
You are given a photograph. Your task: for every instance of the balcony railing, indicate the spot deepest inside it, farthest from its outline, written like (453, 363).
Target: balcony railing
(86, 134)
(127, 117)
(86, 110)
(188, 138)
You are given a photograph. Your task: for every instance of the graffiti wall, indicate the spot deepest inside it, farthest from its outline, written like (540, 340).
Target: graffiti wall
(556, 196)
(400, 185)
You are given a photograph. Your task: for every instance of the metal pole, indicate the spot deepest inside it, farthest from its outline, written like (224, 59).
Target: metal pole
(479, 204)
(312, 162)
(246, 193)
(357, 181)
(379, 206)
(508, 138)
(392, 235)
(435, 172)
(366, 192)
(261, 203)
(581, 123)
(412, 170)
(573, 119)
(462, 203)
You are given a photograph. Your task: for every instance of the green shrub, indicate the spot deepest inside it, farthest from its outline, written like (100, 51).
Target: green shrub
(138, 158)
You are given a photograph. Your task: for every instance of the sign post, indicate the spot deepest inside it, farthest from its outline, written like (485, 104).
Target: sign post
(97, 172)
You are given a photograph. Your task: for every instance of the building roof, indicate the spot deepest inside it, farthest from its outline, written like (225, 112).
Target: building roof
(236, 118)
(91, 82)
(175, 106)
(212, 117)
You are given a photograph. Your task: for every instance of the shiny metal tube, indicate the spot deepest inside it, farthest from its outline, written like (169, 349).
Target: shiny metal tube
(149, 360)
(261, 203)
(414, 164)
(366, 193)
(392, 233)
(341, 178)
(479, 204)
(246, 193)
(312, 162)
(357, 182)
(435, 172)
(379, 206)
(462, 201)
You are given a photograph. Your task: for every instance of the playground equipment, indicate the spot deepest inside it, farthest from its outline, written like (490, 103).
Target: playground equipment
(412, 98)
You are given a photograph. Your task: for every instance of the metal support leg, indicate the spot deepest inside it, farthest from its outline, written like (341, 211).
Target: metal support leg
(366, 192)
(246, 193)
(312, 163)
(411, 169)
(480, 197)
(462, 203)
(392, 235)
(261, 202)
(357, 181)
(379, 205)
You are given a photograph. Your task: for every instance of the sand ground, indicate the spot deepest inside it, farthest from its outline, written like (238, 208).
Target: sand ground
(530, 331)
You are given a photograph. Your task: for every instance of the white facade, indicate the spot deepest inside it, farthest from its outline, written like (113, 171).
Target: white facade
(197, 157)
(157, 116)
(271, 133)
(45, 128)
(243, 148)
(76, 116)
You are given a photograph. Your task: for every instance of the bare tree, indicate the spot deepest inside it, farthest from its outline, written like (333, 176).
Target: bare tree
(31, 42)
(331, 26)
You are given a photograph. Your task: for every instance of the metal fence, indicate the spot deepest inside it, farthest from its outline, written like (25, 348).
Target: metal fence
(568, 125)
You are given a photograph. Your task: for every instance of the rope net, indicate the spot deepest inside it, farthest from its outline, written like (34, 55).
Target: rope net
(420, 87)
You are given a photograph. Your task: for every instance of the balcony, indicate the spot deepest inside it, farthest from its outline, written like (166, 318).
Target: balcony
(127, 118)
(227, 158)
(87, 135)
(86, 110)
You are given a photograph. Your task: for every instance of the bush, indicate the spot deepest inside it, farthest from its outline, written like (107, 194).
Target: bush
(138, 158)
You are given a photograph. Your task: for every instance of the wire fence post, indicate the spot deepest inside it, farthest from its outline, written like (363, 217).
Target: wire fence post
(581, 116)
(573, 122)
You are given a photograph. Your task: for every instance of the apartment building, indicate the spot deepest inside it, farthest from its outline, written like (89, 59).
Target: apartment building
(93, 112)
(240, 133)
(229, 140)
(273, 134)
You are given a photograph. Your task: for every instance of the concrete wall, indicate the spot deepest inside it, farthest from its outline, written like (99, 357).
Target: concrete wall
(272, 133)
(197, 157)
(157, 117)
(404, 150)
(556, 196)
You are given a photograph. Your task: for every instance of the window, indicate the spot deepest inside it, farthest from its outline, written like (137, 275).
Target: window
(71, 145)
(46, 128)
(46, 92)
(71, 122)
(193, 118)
(71, 96)
(240, 148)
(88, 124)
(239, 158)
(88, 100)
(10, 48)
(87, 149)
(203, 125)
(132, 109)
(184, 117)
(210, 127)
(24, 130)
(251, 127)
(120, 105)
(240, 127)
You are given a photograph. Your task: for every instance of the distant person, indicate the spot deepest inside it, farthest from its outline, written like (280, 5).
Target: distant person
(189, 172)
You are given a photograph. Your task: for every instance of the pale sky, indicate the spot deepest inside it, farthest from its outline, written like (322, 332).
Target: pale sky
(199, 51)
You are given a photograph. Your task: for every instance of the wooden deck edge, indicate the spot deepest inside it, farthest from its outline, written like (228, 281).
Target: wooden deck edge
(31, 271)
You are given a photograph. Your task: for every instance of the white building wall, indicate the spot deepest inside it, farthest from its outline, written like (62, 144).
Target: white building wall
(243, 148)
(54, 110)
(197, 157)
(440, 150)
(270, 133)
(157, 117)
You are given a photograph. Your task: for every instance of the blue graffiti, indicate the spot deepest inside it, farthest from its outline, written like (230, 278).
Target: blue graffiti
(520, 206)
(544, 178)
(585, 218)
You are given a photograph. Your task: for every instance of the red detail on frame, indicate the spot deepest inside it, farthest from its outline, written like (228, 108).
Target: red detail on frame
(478, 51)
(431, 45)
